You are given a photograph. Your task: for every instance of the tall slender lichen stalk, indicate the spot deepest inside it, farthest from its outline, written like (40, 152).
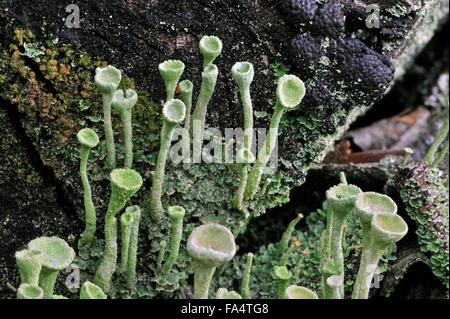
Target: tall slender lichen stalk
(209, 79)
(176, 215)
(283, 244)
(438, 139)
(367, 205)
(135, 211)
(209, 246)
(90, 290)
(126, 222)
(290, 92)
(88, 140)
(171, 71)
(124, 184)
(56, 256)
(107, 80)
(174, 112)
(124, 104)
(186, 88)
(283, 275)
(385, 230)
(440, 156)
(245, 285)
(244, 157)
(28, 291)
(30, 264)
(341, 201)
(298, 292)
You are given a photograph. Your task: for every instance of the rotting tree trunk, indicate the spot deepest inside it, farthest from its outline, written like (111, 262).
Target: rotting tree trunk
(41, 95)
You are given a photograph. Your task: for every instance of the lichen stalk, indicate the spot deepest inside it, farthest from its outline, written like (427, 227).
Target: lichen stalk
(124, 184)
(124, 104)
(186, 89)
(132, 252)
(244, 158)
(290, 92)
(176, 214)
(162, 251)
(283, 244)
(438, 139)
(441, 155)
(88, 140)
(126, 221)
(107, 80)
(245, 285)
(174, 112)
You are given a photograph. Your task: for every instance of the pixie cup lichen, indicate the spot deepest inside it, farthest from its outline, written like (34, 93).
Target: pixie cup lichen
(124, 184)
(209, 246)
(244, 157)
(385, 230)
(283, 275)
(223, 293)
(29, 263)
(290, 92)
(186, 88)
(335, 282)
(88, 140)
(107, 80)
(126, 222)
(176, 215)
(298, 292)
(56, 256)
(124, 104)
(28, 291)
(210, 48)
(90, 290)
(174, 113)
(171, 71)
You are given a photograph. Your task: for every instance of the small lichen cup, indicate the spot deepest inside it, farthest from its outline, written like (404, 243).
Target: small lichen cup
(283, 275)
(27, 291)
(209, 245)
(223, 293)
(56, 256)
(171, 71)
(29, 263)
(90, 290)
(298, 292)
(210, 47)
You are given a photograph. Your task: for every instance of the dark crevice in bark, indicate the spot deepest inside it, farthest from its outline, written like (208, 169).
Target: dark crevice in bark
(45, 172)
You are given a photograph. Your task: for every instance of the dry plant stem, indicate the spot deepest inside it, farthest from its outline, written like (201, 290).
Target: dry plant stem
(438, 139)
(132, 253)
(245, 289)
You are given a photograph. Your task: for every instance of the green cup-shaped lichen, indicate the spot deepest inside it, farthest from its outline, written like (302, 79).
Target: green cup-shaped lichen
(132, 251)
(186, 88)
(243, 158)
(209, 79)
(283, 275)
(27, 291)
(126, 222)
(290, 92)
(335, 283)
(245, 286)
(124, 104)
(124, 184)
(341, 203)
(56, 256)
(385, 230)
(223, 293)
(174, 113)
(298, 292)
(176, 214)
(209, 246)
(107, 80)
(171, 71)
(91, 291)
(88, 140)
(210, 47)
(30, 264)
(243, 75)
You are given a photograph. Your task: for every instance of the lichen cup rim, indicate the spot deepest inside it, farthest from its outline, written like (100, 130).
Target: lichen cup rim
(290, 91)
(206, 42)
(242, 72)
(93, 291)
(303, 291)
(174, 111)
(55, 259)
(124, 101)
(378, 203)
(185, 86)
(176, 211)
(28, 254)
(107, 78)
(334, 281)
(171, 70)
(281, 272)
(126, 218)
(24, 290)
(214, 251)
(126, 179)
(88, 137)
(388, 227)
